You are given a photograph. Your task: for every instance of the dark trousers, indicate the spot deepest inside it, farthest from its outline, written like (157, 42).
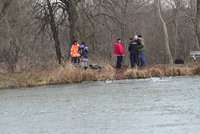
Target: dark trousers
(119, 61)
(75, 60)
(134, 59)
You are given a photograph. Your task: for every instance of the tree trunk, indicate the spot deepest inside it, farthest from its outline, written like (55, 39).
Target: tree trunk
(11, 50)
(54, 31)
(166, 49)
(123, 25)
(6, 4)
(177, 16)
(70, 8)
(72, 21)
(198, 23)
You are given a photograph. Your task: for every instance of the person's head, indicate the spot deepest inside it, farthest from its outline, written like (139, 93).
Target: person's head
(139, 36)
(135, 37)
(75, 42)
(83, 43)
(119, 40)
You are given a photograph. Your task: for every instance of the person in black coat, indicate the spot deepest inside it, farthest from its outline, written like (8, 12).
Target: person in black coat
(133, 49)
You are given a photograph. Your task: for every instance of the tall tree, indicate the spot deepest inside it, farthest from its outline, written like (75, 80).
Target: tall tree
(54, 31)
(5, 6)
(10, 38)
(71, 7)
(198, 21)
(166, 48)
(176, 23)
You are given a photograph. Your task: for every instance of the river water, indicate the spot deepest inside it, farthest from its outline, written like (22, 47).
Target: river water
(157, 105)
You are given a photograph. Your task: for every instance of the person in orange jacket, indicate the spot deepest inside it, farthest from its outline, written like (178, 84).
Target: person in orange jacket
(74, 52)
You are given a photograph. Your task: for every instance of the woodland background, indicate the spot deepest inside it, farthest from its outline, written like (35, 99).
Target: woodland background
(38, 33)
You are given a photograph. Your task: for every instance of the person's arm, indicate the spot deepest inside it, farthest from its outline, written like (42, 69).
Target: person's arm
(140, 44)
(71, 50)
(86, 49)
(121, 49)
(129, 47)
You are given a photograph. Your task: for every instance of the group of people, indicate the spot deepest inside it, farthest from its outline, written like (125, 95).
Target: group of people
(136, 49)
(79, 54)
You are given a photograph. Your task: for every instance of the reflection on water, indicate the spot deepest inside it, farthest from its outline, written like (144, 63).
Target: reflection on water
(156, 105)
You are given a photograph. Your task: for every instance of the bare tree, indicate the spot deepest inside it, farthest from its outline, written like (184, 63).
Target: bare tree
(70, 6)
(198, 21)
(54, 30)
(168, 55)
(10, 40)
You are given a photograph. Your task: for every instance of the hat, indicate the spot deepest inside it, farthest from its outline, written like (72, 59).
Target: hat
(83, 43)
(74, 41)
(118, 39)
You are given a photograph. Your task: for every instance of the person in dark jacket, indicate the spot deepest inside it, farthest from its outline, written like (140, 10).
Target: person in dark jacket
(83, 51)
(133, 49)
(119, 52)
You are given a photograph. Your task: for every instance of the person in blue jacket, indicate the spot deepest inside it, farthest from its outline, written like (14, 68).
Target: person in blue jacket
(83, 51)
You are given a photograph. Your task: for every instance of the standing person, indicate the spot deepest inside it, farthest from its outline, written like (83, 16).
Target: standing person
(83, 51)
(119, 52)
(141, 48)
(74, 52)
(133, 49)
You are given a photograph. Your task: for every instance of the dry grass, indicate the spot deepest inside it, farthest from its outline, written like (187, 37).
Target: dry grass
(197, 70)
(72, 74)
(58, 75)
(23, 79)
(65, 74)
(163, 70)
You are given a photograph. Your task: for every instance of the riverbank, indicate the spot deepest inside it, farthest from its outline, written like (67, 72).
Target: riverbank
(71, 74)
